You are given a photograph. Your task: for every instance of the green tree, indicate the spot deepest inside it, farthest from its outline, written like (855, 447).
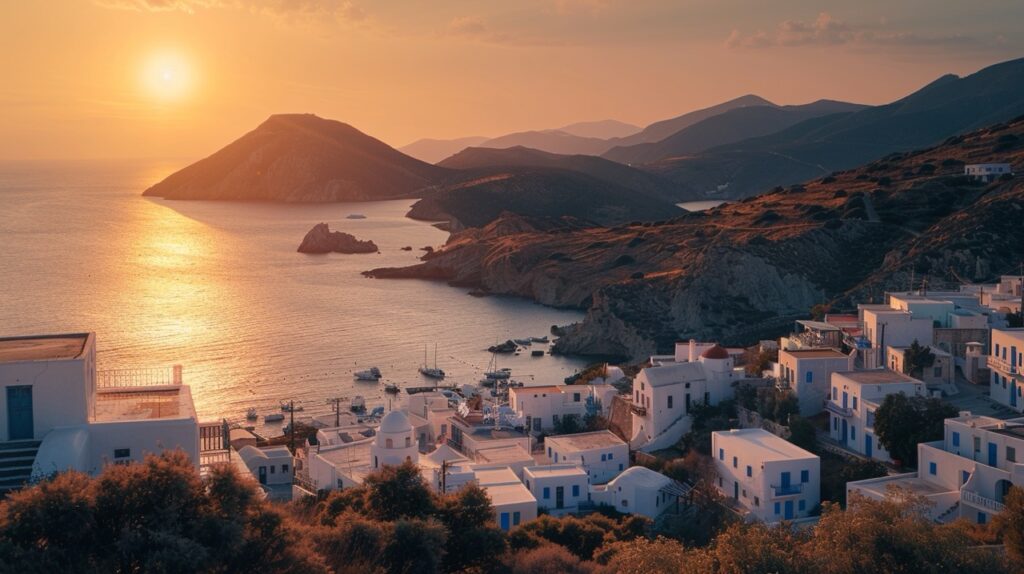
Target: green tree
(399, 492)
(1010, 524)
(415, 547)
(802, 433)
(1015, 320)
(902, 422)
(474, 540)
(917, 358)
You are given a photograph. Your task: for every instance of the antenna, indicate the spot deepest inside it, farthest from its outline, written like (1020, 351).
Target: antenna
(335, 403)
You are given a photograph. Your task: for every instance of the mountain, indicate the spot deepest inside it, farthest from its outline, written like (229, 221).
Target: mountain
(433, 150)
(488, 159)
(554, 141)
(818, 146)
(664, 128)
(745, 270)
(603, 129)
(728, 127)
(301, 158)
(545, 193)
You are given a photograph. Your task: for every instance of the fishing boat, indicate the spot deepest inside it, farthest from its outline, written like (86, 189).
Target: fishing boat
(431, 372)
(355, 216)
(543, 339)
(358, 404)
(371, 374)
(274, 418)
(523, 342)
(493, 372)
(392, 388)
(290, 407)
(250, 414)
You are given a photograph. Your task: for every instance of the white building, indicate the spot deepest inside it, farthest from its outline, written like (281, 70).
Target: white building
(602, 454)
(807, 374)
(885, 326)
(639, 490)
(664, 393)
(770, 478)
(966, 474)
(856, 396)
(395, 443)
(1006, 364)
(939, 376)
(987, 172)
(545, 406)
(58, 413)
(513, 504)
(558, 488)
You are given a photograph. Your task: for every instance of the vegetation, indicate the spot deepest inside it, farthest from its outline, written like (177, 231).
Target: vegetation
(159, 516)
(917, 358)
(901, 422)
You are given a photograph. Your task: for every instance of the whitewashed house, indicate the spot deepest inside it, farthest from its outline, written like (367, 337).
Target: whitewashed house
(987, 172)
(770, 478)
(807, 373)
(513, 504)
(271, 465)
(1006, 364)
(558, 488)
(639, 490)
(543, 407)
(57, 412)
(939, 376)
(664, 393)
(602, 454)
(855, 397)
(885, 326)
(967, 474)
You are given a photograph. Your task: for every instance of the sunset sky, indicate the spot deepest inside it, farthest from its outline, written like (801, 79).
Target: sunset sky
(180, 78)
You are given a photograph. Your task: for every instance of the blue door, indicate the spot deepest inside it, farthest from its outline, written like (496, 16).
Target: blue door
(843, 439)
(735, 490)
(1013, 393)
(789, 510)
(845, 397)
(867, 445)
(19, 413)
(785, 482)
(504, 521)
(992, 456)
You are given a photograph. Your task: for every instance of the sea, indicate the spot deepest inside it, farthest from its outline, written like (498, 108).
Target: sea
(219, 288)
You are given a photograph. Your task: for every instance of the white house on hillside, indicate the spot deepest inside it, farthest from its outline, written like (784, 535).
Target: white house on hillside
(769, 477)
(639, 490)
(513, 504)
(885, 326)
(58, 413)
(558, 488)
(807, 374)
(856, 396)
(987, 172)
(602, 454)
(1006, 364)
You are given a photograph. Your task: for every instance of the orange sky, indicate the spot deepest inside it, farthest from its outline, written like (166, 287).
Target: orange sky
(180, 78)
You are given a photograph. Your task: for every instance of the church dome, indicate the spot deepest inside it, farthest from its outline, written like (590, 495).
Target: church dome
(395, 422)
(716, 351)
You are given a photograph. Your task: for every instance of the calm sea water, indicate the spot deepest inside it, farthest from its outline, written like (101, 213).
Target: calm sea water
(219, 288)
(701, 205)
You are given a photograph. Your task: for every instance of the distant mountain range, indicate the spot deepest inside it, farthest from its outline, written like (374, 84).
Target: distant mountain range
(433, 150)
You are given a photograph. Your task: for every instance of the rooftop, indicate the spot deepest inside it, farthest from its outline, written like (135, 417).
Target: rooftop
(818, 325)
(641, 476)
(770, 447)
(496, 476)
(586, 440)
(505, 454)
(673, 373)
(815, 353)
(877, 377)
(42, 347)
(555, 470)
(138, 404)
(912, 482)
(538, 389)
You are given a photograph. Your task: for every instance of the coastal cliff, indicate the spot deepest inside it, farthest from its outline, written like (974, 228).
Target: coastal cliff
(746, 270)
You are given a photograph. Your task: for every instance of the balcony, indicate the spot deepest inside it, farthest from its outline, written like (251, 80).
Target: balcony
(787, 489)
(141, 377)
(836, 409)
(1002, 365)
(782, 384)
(977, 500)
(638, 410)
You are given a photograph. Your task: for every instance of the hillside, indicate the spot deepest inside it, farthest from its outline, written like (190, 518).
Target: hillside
(662, 129)
(301, 158)
(435, 150)
(728, 127)
(746, 270)
(554, 141)
(818, 146)
(603, 129)
(542, 193)
(488, 159)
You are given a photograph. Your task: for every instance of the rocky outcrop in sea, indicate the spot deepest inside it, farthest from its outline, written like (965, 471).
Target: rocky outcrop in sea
(321, 239)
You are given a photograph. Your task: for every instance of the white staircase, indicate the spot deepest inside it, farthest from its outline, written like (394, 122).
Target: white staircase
(16, 459)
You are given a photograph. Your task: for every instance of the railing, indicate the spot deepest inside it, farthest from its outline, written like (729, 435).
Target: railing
(1002, 365)
(841, 411)
(973, 498)
(638, 410)
(788, 489)
(782, 383)
(139, 377)
(213, 436)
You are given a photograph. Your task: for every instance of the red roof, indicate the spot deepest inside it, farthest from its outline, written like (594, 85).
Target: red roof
(715, 352)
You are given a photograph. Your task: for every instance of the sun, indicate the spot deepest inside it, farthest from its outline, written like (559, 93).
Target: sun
(168, 77)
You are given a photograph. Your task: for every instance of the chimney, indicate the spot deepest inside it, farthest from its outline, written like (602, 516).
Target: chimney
(693, 350)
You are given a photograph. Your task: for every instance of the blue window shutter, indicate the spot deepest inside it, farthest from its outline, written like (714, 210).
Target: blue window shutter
(750, 471)
(802, 505)
(805, 476)
(956, 438)
(611, 455)
(777, 508)
(547, 492)
(810, 377)
(932, 468)
(575, 490)
(721, 454)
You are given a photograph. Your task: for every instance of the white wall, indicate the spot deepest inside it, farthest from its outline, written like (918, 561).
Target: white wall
(60, 391)
(812, 396)
(536, 486)
(616, 459)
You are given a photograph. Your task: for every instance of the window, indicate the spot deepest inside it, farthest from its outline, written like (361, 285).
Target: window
(1011, 454)
(744, 493)
(576, 397)
(721, 454)
(620, 466)
(854, 403)
(408, 441)
(835, 393)
(735, 462)
(956, 438)
(549, 452)
(670, 401)
(981, 518)
(802, 505)
(937, 371)
(389, 443)
(641, 385)
(547, 492)
(686, 407)
(750, 471)
(778, 507)
(853, 433)
(932, 468)
(809, 377)
(625, 502)
(835, 423)
(977, 444)
(284, 468)
(805, 476)
(757, 501)
(575, 490)
(611, 455)
(604, 457)
(122, 452)
(516, 517)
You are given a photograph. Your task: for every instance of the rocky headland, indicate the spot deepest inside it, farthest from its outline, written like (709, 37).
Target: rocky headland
(321, 239)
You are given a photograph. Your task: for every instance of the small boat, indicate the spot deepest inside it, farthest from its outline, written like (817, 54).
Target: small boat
(392, 388)
(250, 414)
(358, 404)
(493, 372)
(274, 418)
(371, 374)
(537, 353)
(355, 216)
(543, 339)
(506, 347)
(291, 407)
(431, 372)
(488, 382)
(523, 342)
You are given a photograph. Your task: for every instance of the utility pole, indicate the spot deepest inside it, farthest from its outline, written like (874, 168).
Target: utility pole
(444, 477)
(336, 405)
(291, 425)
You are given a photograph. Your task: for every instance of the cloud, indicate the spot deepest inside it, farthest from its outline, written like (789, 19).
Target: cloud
(477, 29)
(340, 9)
(828, 31)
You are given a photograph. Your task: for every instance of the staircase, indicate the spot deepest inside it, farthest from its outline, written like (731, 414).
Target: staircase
(16, 458)
(948, 514)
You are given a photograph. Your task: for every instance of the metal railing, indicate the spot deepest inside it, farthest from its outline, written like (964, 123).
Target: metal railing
(1002, 365)
(973, 498)
(841, 411)
(787, 489)
(638, 410)
(139, 377)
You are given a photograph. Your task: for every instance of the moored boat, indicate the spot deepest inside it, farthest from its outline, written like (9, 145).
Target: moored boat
(371, 374)
(250, 414)
(274, 418)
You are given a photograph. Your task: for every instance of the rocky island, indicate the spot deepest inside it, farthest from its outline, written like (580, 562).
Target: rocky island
(321, 239)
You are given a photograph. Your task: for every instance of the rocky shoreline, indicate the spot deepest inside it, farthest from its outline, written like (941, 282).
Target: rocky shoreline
(321, 239)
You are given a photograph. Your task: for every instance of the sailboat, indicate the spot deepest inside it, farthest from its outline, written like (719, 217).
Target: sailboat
(494, 373)
(432, 372)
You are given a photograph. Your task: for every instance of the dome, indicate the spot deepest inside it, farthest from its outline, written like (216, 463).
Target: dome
(716, 351)
(395, 422)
